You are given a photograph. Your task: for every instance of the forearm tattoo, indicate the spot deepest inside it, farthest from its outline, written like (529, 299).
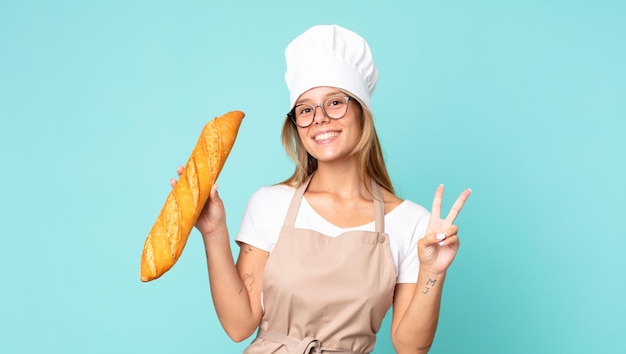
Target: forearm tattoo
(248, 281)
(429, 284)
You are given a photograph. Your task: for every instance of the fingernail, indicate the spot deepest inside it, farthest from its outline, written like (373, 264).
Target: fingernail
(441, 243)
(440, 236)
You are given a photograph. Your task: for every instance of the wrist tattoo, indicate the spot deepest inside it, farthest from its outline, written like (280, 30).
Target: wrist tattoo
(248, 281)
(430, 283)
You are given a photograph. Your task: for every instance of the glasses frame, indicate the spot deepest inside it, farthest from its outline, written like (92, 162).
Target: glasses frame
(292, 113)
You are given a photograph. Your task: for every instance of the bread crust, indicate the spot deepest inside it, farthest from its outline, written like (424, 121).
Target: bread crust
(168, 236)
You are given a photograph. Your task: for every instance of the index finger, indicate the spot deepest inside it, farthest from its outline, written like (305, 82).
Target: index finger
(436, 210)
(457, 206)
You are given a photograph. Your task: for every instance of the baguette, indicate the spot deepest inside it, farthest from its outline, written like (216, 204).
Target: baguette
(170, 232)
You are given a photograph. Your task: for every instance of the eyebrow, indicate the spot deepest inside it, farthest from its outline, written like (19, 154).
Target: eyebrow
(308, 100)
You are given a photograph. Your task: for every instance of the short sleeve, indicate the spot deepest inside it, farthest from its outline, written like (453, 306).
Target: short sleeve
(264, 216)
(408, 261)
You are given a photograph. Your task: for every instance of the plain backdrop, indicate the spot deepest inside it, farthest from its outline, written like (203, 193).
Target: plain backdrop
(522, 101)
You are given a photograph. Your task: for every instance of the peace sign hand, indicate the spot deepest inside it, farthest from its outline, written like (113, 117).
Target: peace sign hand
(437, 249)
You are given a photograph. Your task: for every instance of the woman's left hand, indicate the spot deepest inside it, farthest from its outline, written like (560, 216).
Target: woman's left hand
(437, 249)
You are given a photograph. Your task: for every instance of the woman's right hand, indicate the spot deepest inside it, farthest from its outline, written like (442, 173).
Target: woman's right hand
(212, 218)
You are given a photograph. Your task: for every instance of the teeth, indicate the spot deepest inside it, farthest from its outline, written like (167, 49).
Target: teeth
(326, 136)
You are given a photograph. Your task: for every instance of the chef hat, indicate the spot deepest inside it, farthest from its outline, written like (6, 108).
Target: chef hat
(330, 55)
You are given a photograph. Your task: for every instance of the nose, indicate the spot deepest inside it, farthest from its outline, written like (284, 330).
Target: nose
(319, 118)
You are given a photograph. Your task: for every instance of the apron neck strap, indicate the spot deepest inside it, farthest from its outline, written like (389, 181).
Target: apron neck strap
(379, 208)
(292, 212)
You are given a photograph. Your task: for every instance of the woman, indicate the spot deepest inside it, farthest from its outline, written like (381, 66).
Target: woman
(324, 254)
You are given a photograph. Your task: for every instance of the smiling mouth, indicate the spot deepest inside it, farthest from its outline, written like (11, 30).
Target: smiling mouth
(325, 136)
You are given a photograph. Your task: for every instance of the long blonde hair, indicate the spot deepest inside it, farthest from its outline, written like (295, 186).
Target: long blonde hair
(370, 155)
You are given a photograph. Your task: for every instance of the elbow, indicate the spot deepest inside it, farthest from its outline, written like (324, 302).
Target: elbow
(398, 342)
(415, 350)
(405, 345)
(239, 334)
(398, 345)
(237, 338)
(239, 328)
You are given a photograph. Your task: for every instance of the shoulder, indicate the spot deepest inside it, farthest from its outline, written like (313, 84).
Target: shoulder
(391, 200)
(409, 207)
(403, 208)
(264, 216)
(270, 200)
(408, 215)
(270, 195)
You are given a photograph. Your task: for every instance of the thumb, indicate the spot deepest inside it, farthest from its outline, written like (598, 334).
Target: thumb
(214, 194)
(431, 239)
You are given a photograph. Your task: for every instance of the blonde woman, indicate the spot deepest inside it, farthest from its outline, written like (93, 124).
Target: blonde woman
(326, 253)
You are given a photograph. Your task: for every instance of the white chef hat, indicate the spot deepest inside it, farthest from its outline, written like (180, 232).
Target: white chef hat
(330, 55)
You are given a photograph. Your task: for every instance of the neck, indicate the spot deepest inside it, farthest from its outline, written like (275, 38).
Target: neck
(340, 179)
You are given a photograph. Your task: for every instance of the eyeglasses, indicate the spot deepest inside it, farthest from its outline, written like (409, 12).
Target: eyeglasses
(334, 107)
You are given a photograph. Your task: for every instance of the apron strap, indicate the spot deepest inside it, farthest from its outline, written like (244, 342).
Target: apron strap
(379, 208)
(292, 212)
(308, 345)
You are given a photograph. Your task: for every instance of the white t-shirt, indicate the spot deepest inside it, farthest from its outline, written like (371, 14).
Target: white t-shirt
(265, 214)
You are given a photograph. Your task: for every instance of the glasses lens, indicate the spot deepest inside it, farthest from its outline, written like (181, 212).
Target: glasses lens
(304, 114)
(336, 106)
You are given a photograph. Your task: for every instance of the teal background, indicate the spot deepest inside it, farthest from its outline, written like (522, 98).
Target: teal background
(522, 101)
